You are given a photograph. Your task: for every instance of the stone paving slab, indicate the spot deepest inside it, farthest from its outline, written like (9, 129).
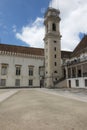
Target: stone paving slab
(7, 94)
(79, 95)
(34, 109)
(2, 91)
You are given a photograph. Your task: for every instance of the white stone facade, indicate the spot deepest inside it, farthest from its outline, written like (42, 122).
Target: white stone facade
(82, 82)
(24, 61)
(76, 71)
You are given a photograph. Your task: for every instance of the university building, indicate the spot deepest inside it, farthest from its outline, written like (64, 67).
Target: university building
(76, 66)
(49, 67)
(20, 66)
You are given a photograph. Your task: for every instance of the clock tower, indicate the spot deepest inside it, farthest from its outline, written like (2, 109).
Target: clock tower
(52, 47)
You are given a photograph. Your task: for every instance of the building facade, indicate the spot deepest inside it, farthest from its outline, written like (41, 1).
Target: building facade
(76, 66)
(20, 66)
(48, 67)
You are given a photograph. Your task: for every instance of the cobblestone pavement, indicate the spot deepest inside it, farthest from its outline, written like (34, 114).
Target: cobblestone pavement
(40, 109)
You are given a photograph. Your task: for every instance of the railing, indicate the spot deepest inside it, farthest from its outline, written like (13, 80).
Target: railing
(85, 74)
(78, 75)
(75, 61)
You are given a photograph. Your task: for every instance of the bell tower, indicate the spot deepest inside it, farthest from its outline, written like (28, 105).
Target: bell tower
(52, 47)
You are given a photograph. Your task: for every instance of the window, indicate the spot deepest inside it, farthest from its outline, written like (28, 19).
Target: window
(4, 70)
(54, 48)
(54, 41)
(54, 27)
(41, 71)
(55, 79)
(79, 73)
(17, 82)
(18, 70)
(77, 83)
(2, 82)
(55, 63)
(86, 82)
(55, 71)
(54, 56)
(46, 72)
(30, 82)
(30, 71)
(69, 83)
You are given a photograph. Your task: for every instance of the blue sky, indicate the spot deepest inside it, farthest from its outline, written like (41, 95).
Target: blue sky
(14, 14)
(21, 21)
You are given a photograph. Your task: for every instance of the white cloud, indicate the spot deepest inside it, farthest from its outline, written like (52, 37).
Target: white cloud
(33, 34)
(73, 20)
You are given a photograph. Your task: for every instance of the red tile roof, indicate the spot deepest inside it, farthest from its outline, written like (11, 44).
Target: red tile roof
(65, 54)
(81, 47)
(21, 49)
(29, 50)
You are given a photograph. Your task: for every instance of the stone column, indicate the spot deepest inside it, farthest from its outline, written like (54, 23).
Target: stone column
(71, 71)
(66, 72)
(76, 71)
(81, 70)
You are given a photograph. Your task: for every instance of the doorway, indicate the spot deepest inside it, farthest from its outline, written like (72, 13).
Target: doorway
(69, 83)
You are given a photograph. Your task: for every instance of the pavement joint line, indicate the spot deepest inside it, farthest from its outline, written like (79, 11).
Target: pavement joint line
(6, 95)
(67, 95)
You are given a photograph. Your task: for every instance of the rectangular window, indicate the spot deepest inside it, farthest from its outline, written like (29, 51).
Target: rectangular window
(54, 56)
(41, 71)
(18, 70)
(2, 82)
(4, 70)
(55, 63)
(55, 71)
(54, 48)
(85, 82)
(46, 72)
(69, 83)
(30, 71)
(77, 83)
(54, 41)
(79, 73)
(55, 79)
(30, 82)
(17, 82)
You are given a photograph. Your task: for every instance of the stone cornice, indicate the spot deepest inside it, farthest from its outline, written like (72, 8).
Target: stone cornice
(6, 53)
(51, 35)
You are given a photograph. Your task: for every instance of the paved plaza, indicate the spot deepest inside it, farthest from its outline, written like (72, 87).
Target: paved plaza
(43, 109)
